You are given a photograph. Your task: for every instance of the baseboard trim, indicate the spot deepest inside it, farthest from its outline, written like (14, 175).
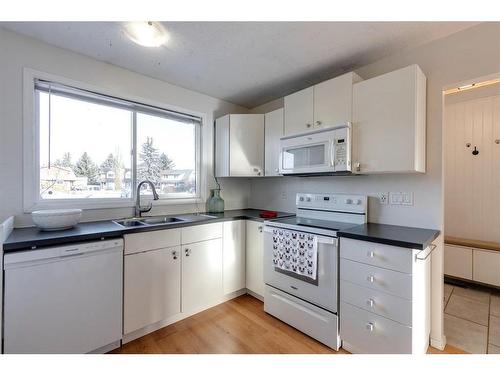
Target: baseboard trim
(106, 348)
(256, 295)
(163, 323)
(439, 343)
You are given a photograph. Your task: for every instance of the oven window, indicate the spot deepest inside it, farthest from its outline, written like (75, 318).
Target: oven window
(303, 157)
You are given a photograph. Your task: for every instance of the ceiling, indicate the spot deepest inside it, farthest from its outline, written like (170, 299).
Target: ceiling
(246, 63)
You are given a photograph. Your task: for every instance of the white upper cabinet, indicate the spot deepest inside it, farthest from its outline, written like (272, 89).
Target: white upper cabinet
(299, 115)
(273, 132)
(239, 145)
(333, 100)
(389, 122)
(328, 103)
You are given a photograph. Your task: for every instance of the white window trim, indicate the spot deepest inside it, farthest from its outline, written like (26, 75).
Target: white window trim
(31, 172)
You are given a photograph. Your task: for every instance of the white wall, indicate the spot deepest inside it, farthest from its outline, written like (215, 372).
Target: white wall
(20, 51)
(469, 54)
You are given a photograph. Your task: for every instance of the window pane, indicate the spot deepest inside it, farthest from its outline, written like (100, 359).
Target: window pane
(166, 155)
(86, 152)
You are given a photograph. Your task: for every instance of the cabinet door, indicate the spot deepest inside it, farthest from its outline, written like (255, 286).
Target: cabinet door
(273, 132)
(246, 143)
(255, 257)
(222, 146)
(333, 101)
(233, 256)
(201, 274)
(299, 111)
(458, 261)
(486, 265)
(389, 122)
(152, 287)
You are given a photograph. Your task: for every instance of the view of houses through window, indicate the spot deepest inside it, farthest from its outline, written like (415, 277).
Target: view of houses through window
(86, 150)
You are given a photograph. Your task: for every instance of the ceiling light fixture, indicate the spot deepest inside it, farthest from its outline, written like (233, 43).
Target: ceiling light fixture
(147, 34)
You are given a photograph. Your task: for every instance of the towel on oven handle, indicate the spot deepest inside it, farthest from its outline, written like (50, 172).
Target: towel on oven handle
(295, 252)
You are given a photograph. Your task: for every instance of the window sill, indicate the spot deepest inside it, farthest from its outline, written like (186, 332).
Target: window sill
(108, 204)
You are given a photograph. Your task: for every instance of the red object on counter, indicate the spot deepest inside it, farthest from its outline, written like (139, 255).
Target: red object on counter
(268, 214)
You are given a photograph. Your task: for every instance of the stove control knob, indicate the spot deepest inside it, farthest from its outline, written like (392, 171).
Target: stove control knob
(348, 201)
(308, 199)
(357, 201)
(301, 199)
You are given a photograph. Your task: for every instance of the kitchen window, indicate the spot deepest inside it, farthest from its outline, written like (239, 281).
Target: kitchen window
(93, 148)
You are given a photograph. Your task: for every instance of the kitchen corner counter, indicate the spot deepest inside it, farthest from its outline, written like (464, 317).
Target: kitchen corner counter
(395, 235)
(32, 237)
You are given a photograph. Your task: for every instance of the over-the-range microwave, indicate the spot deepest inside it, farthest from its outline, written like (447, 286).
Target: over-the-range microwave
(321, 152)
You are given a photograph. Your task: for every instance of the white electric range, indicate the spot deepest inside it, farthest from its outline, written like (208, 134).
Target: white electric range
(301, 262)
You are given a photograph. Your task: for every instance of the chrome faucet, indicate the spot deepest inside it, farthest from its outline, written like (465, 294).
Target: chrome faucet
(138, 209)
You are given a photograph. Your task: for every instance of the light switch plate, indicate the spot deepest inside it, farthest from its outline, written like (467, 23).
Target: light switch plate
(401, 198)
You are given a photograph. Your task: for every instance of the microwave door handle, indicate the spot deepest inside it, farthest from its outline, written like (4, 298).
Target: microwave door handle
(332, 154)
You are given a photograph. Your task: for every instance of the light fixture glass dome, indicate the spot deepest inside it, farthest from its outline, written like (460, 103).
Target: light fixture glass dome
(147, 34)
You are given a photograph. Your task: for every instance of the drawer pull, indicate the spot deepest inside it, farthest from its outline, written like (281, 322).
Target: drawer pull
(370, 327)
(370, 279)
(370, 254)
(370, 302)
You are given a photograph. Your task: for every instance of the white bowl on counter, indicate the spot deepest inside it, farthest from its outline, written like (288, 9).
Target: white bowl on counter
(56, 219)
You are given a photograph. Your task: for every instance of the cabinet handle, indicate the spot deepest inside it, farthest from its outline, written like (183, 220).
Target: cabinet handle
(370, 254)
(318, 123)
(260, 229)
(187, 251)
(174, 254)
(308, 125)
(370, 327)
(370, 278)
(370, 302)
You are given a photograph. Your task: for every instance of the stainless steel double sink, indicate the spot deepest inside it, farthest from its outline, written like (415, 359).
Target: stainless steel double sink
(161, 220)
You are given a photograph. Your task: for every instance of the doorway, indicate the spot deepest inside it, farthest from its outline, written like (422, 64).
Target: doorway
(471, 170)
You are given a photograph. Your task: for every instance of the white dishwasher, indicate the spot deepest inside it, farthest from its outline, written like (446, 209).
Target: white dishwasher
(64, 299)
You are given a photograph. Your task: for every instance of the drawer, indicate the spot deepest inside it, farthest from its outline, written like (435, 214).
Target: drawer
(386, 256)
(158, 239)
(364, 332)
(392, 282)
(387, 305)
(197, 233)
(486, 267)
(458, 261)
(310, 319)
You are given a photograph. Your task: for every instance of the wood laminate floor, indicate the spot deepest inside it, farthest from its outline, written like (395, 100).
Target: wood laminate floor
(237, 326)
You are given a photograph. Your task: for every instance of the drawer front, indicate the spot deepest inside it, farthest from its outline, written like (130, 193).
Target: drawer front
(386, 256)
(389, 306)
(364, 332)
(158, 239)
(313, 321)
(198, 233)
(392, 282)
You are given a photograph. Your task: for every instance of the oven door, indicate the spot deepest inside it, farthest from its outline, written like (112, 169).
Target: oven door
(323, 291)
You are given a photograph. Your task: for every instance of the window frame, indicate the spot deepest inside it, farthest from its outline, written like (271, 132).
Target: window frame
(31, 148)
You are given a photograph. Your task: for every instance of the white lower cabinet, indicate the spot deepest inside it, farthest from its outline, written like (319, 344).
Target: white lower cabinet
(152, 287)
(255, 257)
(384, 310)
(233, 257)
(458, 261)
(201, 274)
(486, 267)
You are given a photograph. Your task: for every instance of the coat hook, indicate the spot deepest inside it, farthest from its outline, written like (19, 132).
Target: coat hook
(475, 151)
(467, 145)
(497, 141)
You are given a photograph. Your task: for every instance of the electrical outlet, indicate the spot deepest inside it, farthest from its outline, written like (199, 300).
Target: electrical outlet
(383, 198)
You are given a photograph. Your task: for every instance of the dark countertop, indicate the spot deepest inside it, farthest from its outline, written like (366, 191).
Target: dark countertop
(32, 237)
(412, 238)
